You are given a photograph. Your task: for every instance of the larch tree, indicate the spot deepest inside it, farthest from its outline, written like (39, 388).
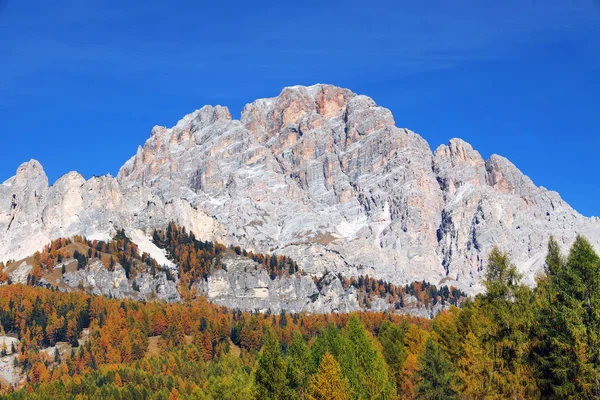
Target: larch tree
(329, 383)
(506, 316)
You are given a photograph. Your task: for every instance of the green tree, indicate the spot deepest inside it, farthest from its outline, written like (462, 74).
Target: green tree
(329, 340)
(269, 377)
(299, 368)
(550, 355)
(435, 374)
(585, 266)
(394, 352)
(501, 276)
(567, 346)
(228, 379)
(364, 365)
(505, 313)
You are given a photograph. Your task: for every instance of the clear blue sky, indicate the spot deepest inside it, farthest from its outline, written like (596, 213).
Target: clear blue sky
(82, 82)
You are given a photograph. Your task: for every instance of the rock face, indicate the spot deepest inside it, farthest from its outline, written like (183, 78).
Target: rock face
(317, 173)
(245, 285)
(96, 279)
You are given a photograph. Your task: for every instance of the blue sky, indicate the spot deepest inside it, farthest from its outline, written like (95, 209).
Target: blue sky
(82, 82)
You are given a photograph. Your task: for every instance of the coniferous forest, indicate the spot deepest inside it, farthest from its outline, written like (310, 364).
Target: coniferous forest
(512, 342)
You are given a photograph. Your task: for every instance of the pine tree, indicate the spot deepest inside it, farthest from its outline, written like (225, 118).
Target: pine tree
(436, 375)
(299, 368)
(501, 277)
(228, 379)
(329, 340)
(329, 383)
(584, 261)
(269, 378)
(567, 346)
(553, 362)
(364, 364)
(394, 352)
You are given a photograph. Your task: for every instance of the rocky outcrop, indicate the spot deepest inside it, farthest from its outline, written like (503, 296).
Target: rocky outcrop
(98, 280)
(21, 273)
(9, 373)
(317, 173)
(245, 285)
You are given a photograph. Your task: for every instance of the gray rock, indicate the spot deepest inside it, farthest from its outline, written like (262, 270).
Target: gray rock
(245, 285)
(21, 273)
(317, 173)
(98, 280)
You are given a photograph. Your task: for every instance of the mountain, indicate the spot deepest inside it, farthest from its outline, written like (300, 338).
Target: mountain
(319, 174)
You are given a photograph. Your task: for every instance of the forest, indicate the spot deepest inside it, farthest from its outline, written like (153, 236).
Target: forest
(512, 342)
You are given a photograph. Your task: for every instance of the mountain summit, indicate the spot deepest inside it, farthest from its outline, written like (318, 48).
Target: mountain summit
(319, 174)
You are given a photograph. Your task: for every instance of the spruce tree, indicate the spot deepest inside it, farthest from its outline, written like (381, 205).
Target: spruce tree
(394, 352)
(435, 374)
(566, 346)
(364, 364)
(299, 368)
(269, 377)
(329, 340)
(585, 264)
(553, 365)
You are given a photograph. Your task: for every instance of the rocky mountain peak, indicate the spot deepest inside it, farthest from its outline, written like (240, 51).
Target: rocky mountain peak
(317, 173)
(505, 177)
(30, 171)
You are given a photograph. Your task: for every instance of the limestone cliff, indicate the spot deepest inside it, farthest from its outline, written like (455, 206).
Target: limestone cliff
(317, 173)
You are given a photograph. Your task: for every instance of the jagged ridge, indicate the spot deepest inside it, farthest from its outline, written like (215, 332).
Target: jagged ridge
(319, 174)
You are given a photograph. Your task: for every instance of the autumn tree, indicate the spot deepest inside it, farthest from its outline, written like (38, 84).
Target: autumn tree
(505, 313)
(329, 383)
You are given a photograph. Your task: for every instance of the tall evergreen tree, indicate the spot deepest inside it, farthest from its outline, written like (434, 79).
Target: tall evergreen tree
(566, 347)
(364, 364)
(474, 369)
(394, 351)
(585, 266)
(299, 368)
(329, 340)
(269, 377)
(553, 362)
(435, 374)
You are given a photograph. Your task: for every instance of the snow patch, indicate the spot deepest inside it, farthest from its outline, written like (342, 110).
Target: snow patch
(100, 236)
(145, 245)
(348, 229)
